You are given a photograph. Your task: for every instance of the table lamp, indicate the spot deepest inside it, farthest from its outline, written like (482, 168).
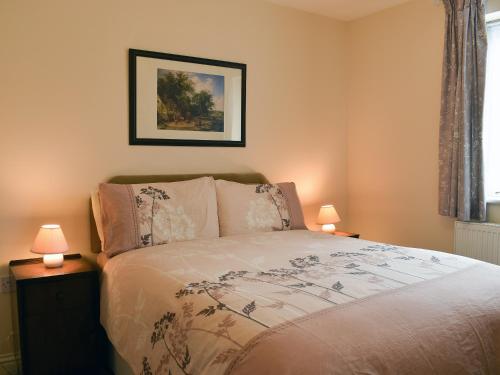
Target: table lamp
(328, 216)
(51, 243)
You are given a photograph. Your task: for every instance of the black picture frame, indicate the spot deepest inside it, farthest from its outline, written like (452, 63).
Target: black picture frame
(135, 140)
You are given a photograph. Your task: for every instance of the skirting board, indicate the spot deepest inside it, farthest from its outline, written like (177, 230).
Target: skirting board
(7, 357)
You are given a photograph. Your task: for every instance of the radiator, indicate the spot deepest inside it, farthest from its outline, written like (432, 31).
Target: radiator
(478, 240)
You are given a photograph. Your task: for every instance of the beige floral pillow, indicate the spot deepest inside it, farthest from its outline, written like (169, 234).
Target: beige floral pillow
(140, 215)
(257, 208)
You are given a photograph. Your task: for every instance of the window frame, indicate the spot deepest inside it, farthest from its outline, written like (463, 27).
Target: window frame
(492, 19)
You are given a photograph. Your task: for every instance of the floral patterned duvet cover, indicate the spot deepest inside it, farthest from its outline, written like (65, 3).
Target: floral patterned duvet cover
(192, 307)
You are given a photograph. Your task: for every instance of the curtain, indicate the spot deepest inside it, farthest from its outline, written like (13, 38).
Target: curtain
(461, 185)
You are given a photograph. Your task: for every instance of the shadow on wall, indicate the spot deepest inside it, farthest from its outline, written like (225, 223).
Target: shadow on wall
(7, 342)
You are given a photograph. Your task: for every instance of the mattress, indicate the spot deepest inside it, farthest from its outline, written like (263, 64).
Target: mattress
(300, 302)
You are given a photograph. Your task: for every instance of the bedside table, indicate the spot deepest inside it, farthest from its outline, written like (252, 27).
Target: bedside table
(346, 234)
(56, 316)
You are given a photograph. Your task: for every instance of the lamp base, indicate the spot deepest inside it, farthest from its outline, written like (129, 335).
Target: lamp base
(53, 260)
(328, 228)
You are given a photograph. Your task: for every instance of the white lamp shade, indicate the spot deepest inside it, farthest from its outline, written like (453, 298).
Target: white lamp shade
(328, 215)
(50, 240)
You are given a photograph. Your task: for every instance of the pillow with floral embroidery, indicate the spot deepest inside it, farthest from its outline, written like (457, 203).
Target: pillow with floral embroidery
(257, 208)
(141, 215)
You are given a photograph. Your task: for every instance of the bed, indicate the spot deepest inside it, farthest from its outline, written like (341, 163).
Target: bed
(298, 302)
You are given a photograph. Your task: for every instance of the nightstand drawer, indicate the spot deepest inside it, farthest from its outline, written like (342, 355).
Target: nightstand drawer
(72, 334)
(49, 296)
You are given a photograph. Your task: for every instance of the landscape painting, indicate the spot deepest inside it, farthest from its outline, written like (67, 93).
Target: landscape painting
(177, 100)
(190, 101)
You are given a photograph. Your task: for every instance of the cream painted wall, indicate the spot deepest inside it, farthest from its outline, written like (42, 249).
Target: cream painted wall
(493, 6)
(63, 92)
(395, 61)
(63, 89)
(394, 103)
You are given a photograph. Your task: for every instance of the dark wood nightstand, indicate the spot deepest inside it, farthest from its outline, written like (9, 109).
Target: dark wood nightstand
(56, 315)
(346, 234)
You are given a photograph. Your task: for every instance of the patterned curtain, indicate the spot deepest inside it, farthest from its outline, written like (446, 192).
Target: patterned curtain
(461, 186)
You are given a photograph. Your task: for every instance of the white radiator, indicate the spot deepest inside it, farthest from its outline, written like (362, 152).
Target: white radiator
(478, 240)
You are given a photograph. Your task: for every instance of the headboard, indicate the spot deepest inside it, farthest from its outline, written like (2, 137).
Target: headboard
(243, 178)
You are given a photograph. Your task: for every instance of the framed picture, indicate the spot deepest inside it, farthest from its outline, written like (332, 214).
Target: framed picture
(185, 101)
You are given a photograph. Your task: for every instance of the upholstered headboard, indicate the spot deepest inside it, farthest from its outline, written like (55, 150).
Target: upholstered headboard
(244, 178)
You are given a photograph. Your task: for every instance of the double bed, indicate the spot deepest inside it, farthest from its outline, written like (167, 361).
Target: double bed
(297, 302)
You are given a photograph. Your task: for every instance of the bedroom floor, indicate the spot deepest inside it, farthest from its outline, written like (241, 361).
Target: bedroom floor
(8, 368)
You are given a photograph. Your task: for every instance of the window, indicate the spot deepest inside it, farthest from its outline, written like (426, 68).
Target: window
(491, 135)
